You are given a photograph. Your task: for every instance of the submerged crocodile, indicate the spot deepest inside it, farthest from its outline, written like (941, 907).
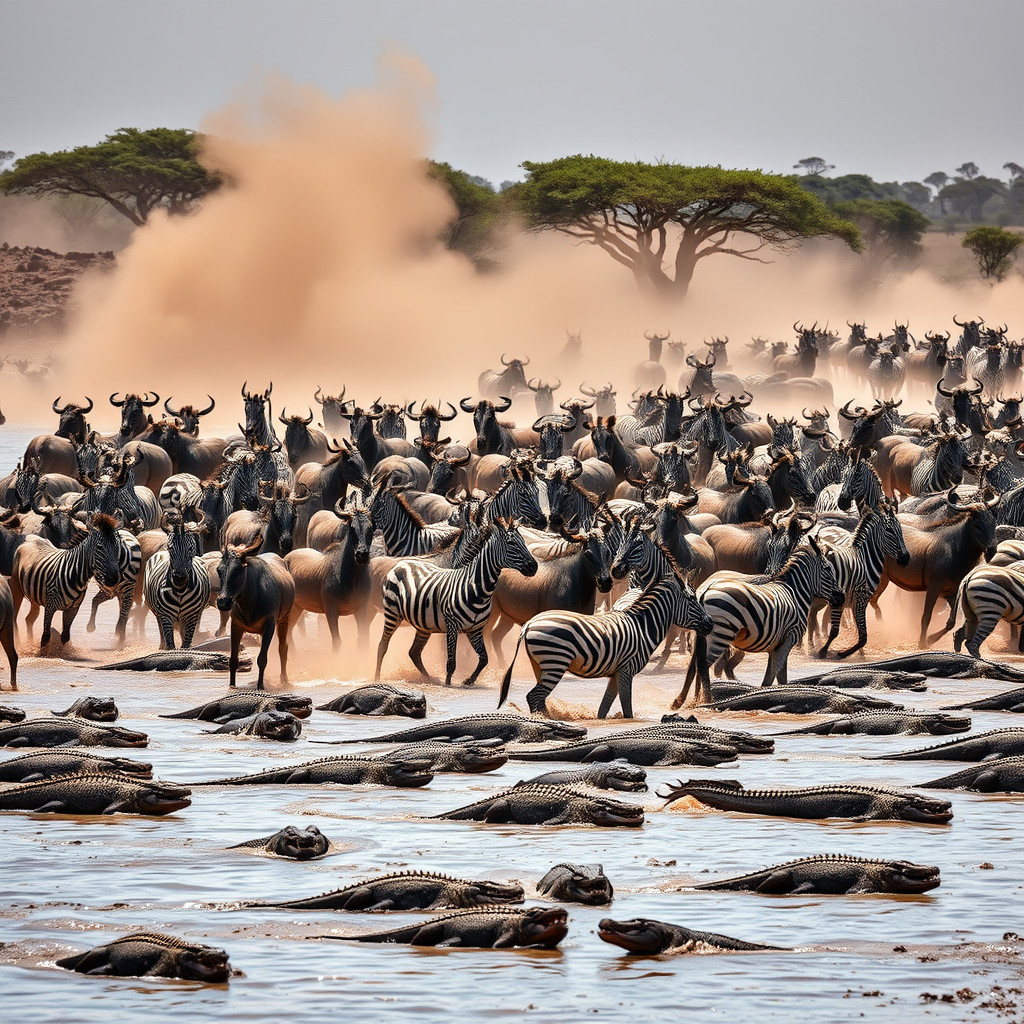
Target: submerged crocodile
(945, 665)
(49, 763)
(887, 723)
(379, 699)
(799, 700)
(548, 805)
(148, 954)
(615, 775)
(292, 842)
(445, 756)
(177, 661)
(497, 725)
(643, 750)
(11, 714)
(1003, 775)
(339, 771)
(833, 875)
(981, 747)
(243, 703)
(866, 678)
(68, 732)
(688, 726)
(861, 803)
(577, 883)
(268, 725)
(644, 936)
(96, 793)
(490, 928)
(94, 709)
(408, 890)
(1008, 700)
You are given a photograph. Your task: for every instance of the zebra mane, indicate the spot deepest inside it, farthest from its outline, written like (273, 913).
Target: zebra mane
(104, 521)
(867, 519)
(589, 496)
(403, 501)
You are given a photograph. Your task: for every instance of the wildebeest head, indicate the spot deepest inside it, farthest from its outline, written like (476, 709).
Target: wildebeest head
(189, 415)
(72, 423)
(296, 430)
(353, 468)
(331, 407)
(257, 418)
(446, 462)
(430, 418)
(133, 411)
(604, 438)
(360, 526)
(551, 429)
(604, 398)
(234, 562)
(485, 419)
(981, 524)
(281, 509)
(543, 395)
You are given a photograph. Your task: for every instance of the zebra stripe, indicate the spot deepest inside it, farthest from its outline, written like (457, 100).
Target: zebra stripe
(617, 645)
(129, 562)
(176, 490)
(451, 601)
(404, 532)
(173, 607)
(987, 595)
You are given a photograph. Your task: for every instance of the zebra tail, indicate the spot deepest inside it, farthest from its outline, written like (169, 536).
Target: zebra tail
(507, 681)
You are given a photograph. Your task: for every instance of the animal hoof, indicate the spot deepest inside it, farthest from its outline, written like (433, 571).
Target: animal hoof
(90, 627)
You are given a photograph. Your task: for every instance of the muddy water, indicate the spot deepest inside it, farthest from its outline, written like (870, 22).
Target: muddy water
(68, 883)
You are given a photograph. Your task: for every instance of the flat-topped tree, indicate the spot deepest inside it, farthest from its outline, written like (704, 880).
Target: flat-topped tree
(660, 219)
(135, 171)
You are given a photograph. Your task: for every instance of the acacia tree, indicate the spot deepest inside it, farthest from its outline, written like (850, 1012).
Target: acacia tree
(994, 249)
(134, 171)
(479, 211)
(659, 220)
(891, 229)
(813, 165)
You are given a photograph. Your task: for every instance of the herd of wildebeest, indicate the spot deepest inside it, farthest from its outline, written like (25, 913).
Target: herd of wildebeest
(706, 518)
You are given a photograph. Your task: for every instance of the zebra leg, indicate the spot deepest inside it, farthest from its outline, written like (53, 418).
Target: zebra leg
(451, 635)
(835, 618)
(611, 691)
(167, 633)
(390, 625)
(261, 659)
(68, 617)
(860, 613)
(497, 629)
(985, 625)
(30, 618)
(416, 652)
(476, 638)
(122, 618)
(7, 640)
(236, 641)
(670, 638)
(188, 628)
(99, 598)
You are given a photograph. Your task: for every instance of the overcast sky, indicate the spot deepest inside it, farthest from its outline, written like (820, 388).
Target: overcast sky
(893, 88)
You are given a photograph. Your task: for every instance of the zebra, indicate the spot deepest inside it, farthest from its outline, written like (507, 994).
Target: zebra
(858, 569)
(177, 583)
(617, 644)
(861, 485)
(404, 532)
(987, 594)
(517, 498)
(129, 564)
(176, 490)
(761, 616)
(56, 578)
(452, 601)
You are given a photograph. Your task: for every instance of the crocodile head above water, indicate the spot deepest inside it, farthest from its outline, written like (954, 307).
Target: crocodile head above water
(612, 812)
(622, 776)
(916, 807)
(545, 926)
(497, 892)
(902, 876)
(474, 757)
(163, 798)
(204, 963)
(299, 843)
(118, 736)
(409, 773)
(639, 935)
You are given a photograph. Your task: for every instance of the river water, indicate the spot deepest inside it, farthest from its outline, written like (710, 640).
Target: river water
(70, 883)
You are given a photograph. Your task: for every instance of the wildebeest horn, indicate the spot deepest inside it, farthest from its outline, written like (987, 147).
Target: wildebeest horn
(283, 414)
(89, 407)
(167, 406)
(306, 422)
(590, 392)
(318, 395)
(208, 409)
(445, 419)
(711, 359)
(61, 410)
(959, 323)
(467, 405)
(798, 326)
(847, 415)
(155, 399)
(245, 394)
(978, 389)
(941, 390)
(113, 399)
(505, 362)
(529, 384)
(410, 413)
(507, 405)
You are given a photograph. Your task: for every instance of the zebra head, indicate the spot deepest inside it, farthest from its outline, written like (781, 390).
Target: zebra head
(182, 547)
(861, 485)
(687, 611)
(517, 497)
(106, 549)
(823, 579)
(893, 542)
(596, 552)
(511, 549)
(234, 561)
(360, 529)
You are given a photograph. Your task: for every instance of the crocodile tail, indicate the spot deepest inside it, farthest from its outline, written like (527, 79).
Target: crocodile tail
(507, 681)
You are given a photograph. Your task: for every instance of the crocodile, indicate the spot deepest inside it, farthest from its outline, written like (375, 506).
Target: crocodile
(1002, 775)
(644, 936)
(340, 771)
(445, 756)
(577, 883)
(177, 661)
(268, 725)
(547, 805)
(722, 688)
(48, 763)
(866, 678)
(1008, 700)
(94, 709)
(678, 725)
(11, 714)
(148, 954)
(68, 732)
(292, 842)
(946, 665)
(497, 725)
(887, 723)
(379, 699)
(615, 775)
(408, 890)
(642, 750)
(833, 875)
(800, 700)
(247, 702)
(488, 928)
(96, 793)
(982, 746)
(845, 800)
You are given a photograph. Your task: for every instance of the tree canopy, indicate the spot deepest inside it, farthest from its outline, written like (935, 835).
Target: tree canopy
(479, 212)
(993, 248)
(891, 228)
(135, 171)
(659, 220)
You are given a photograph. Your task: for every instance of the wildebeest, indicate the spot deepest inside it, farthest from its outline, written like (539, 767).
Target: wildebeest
(133, 414)
(189, 415)
(302, 443)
